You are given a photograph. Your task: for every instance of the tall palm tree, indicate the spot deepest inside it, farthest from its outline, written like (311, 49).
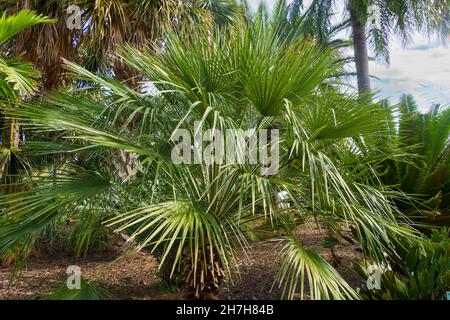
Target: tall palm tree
(106, 26)
(379, 21)
(198, 217)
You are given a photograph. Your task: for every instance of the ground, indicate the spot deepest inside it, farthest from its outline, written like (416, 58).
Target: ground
(134, 275)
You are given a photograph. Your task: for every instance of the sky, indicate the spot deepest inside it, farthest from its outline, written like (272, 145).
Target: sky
(422, 69)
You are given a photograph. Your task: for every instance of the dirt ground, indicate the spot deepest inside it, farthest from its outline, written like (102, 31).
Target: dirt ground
(134, 275)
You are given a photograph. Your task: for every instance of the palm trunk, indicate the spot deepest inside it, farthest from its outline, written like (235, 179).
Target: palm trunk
(11, 141)
(361, 53)
(205, 283)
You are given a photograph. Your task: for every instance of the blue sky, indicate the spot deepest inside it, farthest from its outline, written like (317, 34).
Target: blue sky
(422, 69)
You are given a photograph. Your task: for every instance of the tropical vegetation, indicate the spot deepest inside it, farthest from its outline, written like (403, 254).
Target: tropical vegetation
(88, 137)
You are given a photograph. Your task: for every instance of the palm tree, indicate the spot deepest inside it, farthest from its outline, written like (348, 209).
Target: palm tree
(395, 18)
(292, 22)
(107, 25)
(17, 80)
(197, 217)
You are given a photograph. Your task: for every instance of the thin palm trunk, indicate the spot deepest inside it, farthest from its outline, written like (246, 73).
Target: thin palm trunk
(11, 140)
(361, 53)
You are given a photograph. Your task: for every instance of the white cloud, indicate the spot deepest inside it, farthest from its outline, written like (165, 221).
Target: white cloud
(255, 3)
(425, 61)
(412, 68)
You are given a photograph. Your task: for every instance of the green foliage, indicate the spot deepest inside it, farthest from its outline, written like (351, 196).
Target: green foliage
(300, 264)
(424, 171)
(89, 290)
(17, 78)
(170, 286)
(421, 271)
(89, 233)
(113, 143)
(223, 12)
(107, 26)
(313, 22)
(12, 25)
(44, 200)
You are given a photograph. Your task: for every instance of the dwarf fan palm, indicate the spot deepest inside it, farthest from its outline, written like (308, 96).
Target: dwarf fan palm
(195, 216)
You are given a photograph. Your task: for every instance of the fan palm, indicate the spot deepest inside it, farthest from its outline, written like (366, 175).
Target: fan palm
(17, 80)
(105, 27)
(196, 217)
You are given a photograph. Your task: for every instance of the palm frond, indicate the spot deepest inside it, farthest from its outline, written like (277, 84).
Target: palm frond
(13, 24)
(306, 269)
